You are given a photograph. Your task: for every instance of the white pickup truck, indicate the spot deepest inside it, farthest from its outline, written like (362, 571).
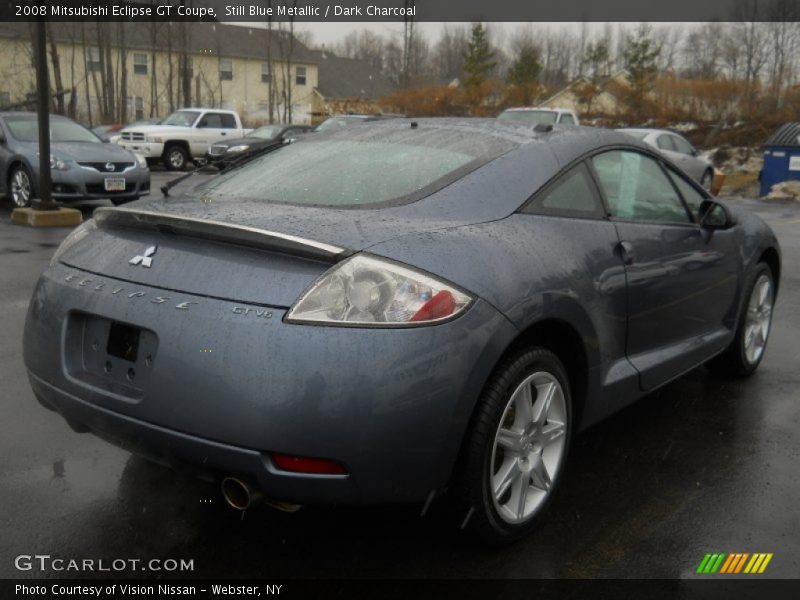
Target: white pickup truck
(184, 135)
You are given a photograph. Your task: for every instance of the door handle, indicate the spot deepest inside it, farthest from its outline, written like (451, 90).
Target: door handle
(627, 253)
(223, 133)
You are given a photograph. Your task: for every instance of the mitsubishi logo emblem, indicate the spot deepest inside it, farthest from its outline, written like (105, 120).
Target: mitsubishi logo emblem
(110, 166)
(144, 259)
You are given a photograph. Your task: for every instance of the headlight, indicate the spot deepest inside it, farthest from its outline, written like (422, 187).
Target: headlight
(58, 164)
(73, 238)
(141, 160)
(153, 139)
(240, 148)
(369, 291)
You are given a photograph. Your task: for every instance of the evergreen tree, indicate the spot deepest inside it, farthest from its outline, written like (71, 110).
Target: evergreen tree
(641, 56)
(479, 59)
(525, 68)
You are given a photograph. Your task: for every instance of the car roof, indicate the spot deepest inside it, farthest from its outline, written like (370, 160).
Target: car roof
(647, 130)
(532, 108)
(566, 142)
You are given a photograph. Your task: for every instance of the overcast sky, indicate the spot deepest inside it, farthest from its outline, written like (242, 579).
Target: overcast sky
(330, 33)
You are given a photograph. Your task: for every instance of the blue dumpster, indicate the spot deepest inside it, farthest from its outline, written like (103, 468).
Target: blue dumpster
(781, 157)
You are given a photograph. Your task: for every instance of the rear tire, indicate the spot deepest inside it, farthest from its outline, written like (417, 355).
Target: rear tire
(745, 353)
(175, 157)
(515, 450)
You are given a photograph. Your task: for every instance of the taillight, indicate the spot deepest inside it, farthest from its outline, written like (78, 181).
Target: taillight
(313, 466)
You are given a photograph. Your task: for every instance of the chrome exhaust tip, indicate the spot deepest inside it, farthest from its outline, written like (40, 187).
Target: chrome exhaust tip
(238, 494)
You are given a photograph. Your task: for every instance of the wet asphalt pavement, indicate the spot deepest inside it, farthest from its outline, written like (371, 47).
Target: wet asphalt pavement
(702, 465)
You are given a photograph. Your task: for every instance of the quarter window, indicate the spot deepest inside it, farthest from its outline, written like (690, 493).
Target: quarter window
(573, 194)
(637, 188)
(566, 119)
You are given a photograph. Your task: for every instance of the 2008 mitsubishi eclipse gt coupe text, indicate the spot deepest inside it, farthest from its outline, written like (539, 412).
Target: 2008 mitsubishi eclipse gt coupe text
(383, 312)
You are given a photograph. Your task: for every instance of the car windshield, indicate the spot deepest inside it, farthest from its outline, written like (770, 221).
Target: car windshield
(335, 122)
(267, 132)
(182, 118)
(360, 167)
(639, 135)
(26, 129)
(533, 117)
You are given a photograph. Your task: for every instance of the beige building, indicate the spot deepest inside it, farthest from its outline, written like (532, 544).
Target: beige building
(120, 72)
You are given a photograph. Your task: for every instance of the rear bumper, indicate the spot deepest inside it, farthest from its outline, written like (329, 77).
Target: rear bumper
(182, 451)
(227, 387)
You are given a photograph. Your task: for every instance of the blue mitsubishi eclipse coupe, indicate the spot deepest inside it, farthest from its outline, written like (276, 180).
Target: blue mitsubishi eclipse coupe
(383, 312)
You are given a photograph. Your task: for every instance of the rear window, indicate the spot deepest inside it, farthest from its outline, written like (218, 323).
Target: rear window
(533, 117)
(358, 167)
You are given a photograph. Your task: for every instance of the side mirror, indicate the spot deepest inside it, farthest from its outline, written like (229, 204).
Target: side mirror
(715, 215)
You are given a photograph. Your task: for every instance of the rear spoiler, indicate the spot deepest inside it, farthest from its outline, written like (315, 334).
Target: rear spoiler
(220, 231)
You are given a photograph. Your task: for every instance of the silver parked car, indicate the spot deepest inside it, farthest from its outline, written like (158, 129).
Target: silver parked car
(678, 150)
(82, 166)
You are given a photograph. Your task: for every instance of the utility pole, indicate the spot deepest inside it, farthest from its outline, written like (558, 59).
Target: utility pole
(43, 212)
(45, 196)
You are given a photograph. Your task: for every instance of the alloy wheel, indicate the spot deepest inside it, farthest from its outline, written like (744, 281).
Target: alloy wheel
(529, 447)
(758, 319)
(21, 188)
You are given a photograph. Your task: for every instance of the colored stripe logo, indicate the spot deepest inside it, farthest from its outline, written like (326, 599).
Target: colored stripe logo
(734, 563)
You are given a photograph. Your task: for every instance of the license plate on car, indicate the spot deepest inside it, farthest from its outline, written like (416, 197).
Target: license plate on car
(115, 184)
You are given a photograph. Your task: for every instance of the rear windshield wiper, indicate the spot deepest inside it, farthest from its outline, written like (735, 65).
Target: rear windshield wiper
(232, 165)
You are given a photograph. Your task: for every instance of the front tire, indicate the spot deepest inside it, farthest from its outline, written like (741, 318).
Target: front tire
(514, 453)
(20, 186)
(743, 356)
(175, 157)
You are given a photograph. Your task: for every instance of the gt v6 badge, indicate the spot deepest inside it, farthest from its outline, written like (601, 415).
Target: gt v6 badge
(145, 259)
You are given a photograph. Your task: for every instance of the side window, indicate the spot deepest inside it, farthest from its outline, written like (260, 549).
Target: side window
(228, 122)
(566, 119)
(572, 194)
(665, 142)
(691, 195)
(637, 188)
(211, 121)
(681, 145)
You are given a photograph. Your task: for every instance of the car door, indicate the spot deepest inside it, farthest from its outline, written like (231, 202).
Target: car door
(681, 279)
(213, 130)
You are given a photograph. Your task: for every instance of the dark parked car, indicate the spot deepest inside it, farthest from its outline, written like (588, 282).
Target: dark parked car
(81, 165)
(223, 153)
(106, 132)
(377, 314)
